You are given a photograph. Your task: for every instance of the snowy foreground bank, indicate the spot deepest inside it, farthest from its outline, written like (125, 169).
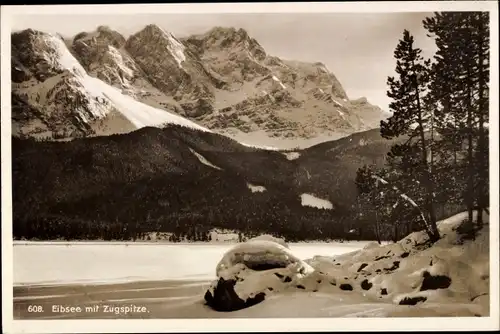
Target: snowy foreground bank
(407, 278)
(259, 279)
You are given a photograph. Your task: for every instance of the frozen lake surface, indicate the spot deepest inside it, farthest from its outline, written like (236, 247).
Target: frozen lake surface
(111, 262)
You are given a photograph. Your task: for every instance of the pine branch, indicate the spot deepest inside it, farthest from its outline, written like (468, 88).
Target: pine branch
(406, 198)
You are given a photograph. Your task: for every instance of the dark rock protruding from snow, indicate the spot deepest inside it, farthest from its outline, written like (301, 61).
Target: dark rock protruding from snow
(434, 282)
(395, 265)
(346, 287)
(225, 299)
(361, 267)
(412, 300)
(365, 285)
(405, 255)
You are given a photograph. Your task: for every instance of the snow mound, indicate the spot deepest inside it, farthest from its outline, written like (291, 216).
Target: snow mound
(269, 237)
(371, 245)
(203, 160)
(256, 189)
(413, 272)
(258, 254)
(252, 269)
(315, 202)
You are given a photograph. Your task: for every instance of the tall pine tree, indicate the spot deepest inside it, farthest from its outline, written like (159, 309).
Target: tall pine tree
(460, 87)
(411, 119)
(481, 41)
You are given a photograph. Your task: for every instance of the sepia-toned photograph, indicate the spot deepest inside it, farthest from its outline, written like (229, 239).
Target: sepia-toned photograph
(250, 164)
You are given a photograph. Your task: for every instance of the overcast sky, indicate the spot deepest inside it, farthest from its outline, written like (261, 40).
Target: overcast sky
(357, 47)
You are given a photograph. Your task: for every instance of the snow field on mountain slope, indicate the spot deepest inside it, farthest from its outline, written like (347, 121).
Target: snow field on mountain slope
(138, 113)
(255, 188)
(204, 160)
(315, 202)
(63, 59)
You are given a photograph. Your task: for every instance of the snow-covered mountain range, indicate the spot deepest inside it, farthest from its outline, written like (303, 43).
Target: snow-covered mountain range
(100, 83)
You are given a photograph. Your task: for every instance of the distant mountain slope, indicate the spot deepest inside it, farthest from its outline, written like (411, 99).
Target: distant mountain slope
(164, 177)
(223, 80)
(331, 166)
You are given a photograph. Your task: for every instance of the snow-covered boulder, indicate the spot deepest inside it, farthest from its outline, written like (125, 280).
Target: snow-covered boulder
(269, 237)
(252, 269)
(258, 254)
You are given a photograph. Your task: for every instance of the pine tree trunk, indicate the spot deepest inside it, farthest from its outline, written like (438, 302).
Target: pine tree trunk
(483, 169)
(470, 158)
(377, 229)
(456, 146)
(395, 232)
(429, 200)
(470, 169)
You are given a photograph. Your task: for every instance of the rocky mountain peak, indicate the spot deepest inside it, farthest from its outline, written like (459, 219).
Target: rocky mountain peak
(170, 66)
(230, 33)
(163, 40)
(361, 100)
(226, 39)
(151, 30)
(25, 35)
(222, 79)
(154, 32)
(41, 55)
(101, 54)
(103, 36)
(103, 28)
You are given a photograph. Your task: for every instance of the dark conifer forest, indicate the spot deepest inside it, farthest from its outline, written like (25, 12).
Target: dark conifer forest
(441, 106)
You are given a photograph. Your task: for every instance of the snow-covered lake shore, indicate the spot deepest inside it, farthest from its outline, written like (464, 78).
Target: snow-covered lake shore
(410, 278)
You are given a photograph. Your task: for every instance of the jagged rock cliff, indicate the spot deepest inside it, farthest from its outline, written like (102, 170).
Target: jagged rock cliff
(223, 80)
